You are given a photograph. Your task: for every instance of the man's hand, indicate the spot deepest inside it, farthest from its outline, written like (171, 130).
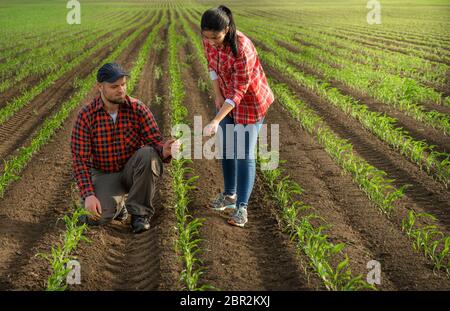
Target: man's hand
(171, 147)
(211, 128)
(92, 205)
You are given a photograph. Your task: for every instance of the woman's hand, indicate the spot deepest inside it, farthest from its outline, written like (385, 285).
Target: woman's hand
(211, 128)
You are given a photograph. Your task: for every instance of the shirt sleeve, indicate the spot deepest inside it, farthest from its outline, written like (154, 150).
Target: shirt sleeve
(241, 76)
(150, 132)
(229, 101)
(81, 156)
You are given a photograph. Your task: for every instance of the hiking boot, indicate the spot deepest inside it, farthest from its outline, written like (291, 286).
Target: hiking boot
(123, 215)
(239, 217)
(222, 202)
(139, 223)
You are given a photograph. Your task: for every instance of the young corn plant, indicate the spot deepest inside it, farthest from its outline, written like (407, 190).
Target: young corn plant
(187, 244)
(428, 239)
(403, 93)
(202, 85)
(158, 72)
(371, 180)
(143, 53)
(310, 239)
(60, 255)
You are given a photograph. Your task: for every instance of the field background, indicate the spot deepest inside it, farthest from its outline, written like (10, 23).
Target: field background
(364, 116)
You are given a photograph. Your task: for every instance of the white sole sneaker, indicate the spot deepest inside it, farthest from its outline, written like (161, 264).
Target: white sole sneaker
(231, 222)
(231, 206)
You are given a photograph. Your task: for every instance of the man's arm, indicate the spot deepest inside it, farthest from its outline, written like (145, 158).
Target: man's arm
(81, 155)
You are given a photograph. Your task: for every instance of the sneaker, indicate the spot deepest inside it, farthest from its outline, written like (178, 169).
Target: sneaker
(123, 214)
(139, 223)
(239, 217)
(222, 202)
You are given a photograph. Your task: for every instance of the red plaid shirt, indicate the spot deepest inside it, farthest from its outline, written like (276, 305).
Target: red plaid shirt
(98, 142)
(241, 79)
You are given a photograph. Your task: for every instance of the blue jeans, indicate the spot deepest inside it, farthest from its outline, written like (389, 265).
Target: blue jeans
(238, 144)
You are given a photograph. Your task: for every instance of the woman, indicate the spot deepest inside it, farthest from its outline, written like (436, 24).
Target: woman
(242, 97)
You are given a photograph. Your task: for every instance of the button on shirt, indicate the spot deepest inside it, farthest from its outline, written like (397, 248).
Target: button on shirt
(105, 144)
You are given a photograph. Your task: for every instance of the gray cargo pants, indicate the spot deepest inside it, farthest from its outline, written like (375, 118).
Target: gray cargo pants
(134, 186)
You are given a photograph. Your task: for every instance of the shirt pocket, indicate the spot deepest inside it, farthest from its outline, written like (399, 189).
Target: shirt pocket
(130, 136)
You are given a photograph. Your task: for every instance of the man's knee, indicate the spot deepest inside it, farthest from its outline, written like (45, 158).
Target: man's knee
(149, 157)
(147, 152)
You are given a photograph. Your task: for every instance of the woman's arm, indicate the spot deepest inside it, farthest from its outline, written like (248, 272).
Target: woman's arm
(211, 128)
(218, 93)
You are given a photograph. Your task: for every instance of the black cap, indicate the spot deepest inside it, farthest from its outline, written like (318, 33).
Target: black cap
(110, 72)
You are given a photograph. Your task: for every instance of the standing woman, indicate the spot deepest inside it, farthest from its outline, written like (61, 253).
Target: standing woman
(242, 97)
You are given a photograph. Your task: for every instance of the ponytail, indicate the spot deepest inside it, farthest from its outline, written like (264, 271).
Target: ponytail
(230, 38)
(218, 19)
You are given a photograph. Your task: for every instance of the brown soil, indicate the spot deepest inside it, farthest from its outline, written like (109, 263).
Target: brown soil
(355, 220)
(425, 193)
(258, 257)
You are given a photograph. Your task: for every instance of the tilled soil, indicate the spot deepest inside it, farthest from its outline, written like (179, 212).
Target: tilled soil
(257, 257)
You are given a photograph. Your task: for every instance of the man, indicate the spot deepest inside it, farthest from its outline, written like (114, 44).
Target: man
(117, 149)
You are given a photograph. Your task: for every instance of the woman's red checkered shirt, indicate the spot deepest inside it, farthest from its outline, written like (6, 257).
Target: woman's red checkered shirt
(98, 142)
(241, 79)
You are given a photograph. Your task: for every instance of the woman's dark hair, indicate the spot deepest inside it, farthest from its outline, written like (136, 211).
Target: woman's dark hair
(218, 19)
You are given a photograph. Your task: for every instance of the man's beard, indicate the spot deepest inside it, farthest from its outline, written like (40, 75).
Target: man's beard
(116, 101)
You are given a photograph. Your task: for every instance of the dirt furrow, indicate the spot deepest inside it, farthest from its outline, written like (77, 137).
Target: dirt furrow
(424, 194)
(145, 261)
(258, 257)
(416, 129)
(354, 219)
